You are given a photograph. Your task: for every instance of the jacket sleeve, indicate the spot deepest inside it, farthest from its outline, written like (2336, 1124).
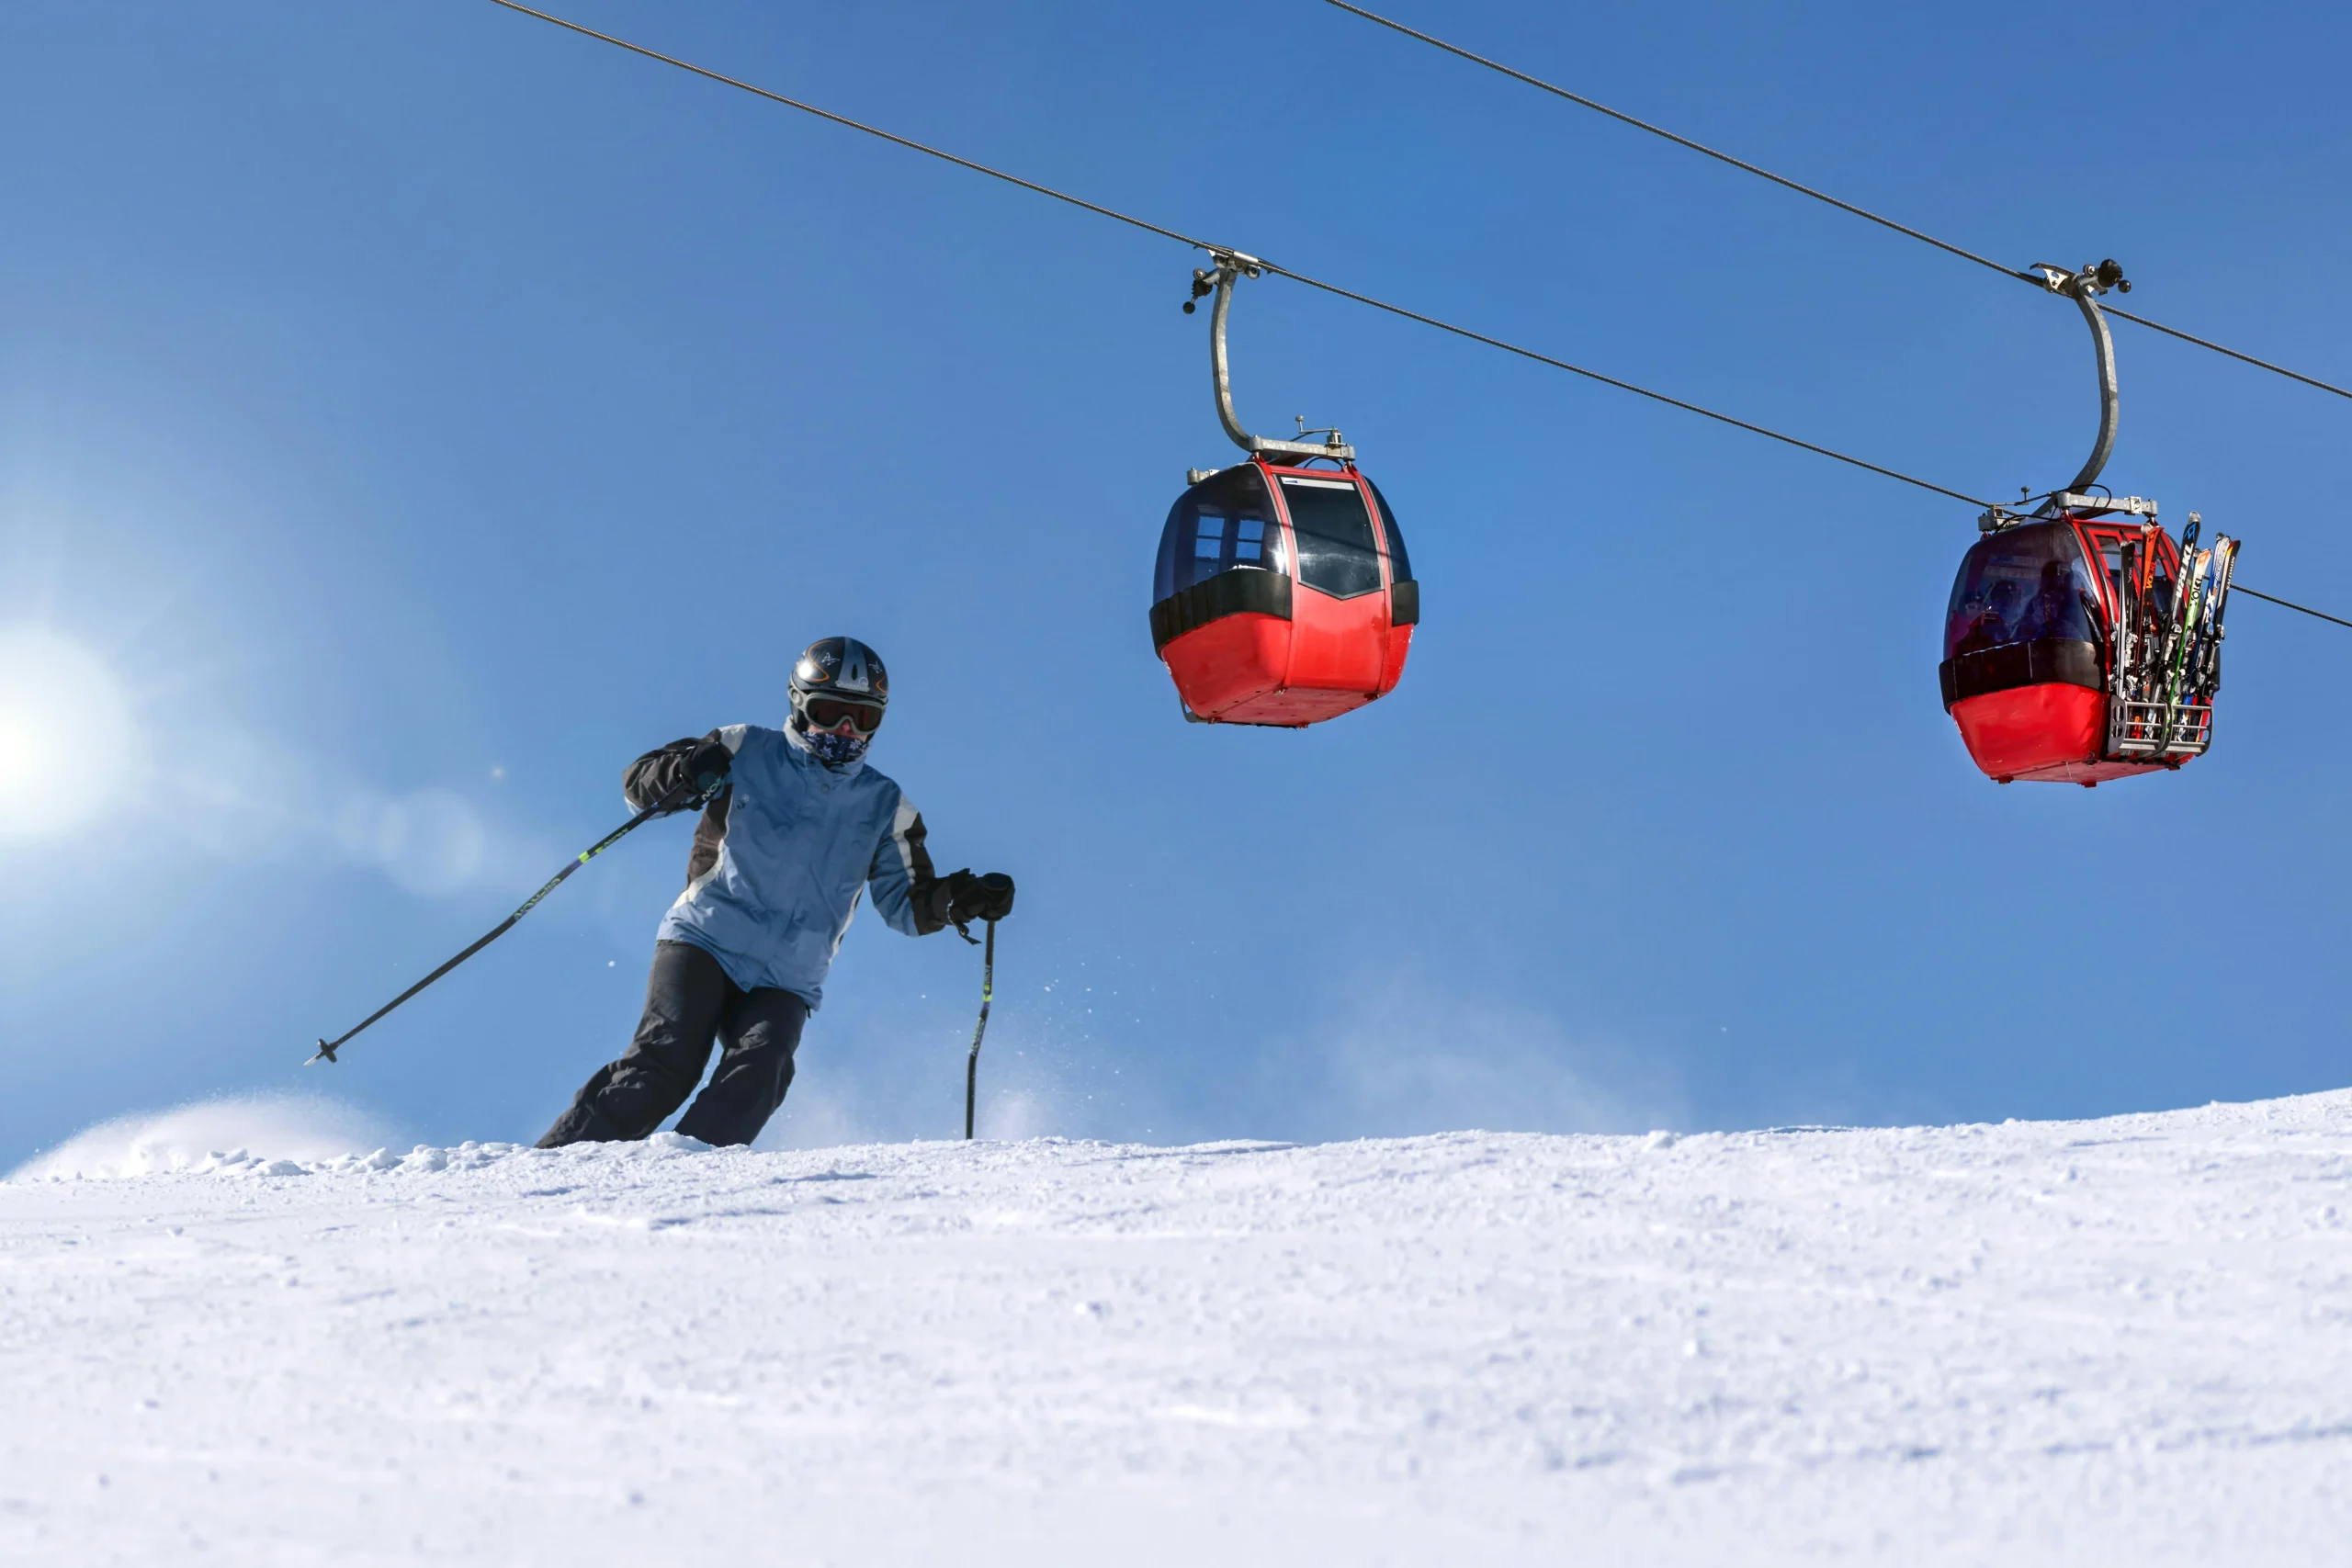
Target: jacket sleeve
(910, 896)
(654, 775)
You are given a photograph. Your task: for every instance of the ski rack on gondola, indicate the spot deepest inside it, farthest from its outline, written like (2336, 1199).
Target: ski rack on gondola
(2168, 650)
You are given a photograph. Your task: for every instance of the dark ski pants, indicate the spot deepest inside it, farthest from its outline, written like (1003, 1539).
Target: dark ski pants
(688, 1001)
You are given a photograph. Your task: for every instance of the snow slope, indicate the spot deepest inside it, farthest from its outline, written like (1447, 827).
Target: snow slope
(2117, 1341)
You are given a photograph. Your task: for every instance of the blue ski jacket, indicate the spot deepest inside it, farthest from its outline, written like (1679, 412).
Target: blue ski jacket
(783, 854)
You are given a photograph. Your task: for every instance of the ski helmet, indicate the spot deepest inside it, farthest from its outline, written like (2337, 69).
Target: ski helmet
(850, 689)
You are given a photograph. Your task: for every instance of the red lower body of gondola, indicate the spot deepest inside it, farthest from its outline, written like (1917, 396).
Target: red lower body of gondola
(2051, 733)
(1331, 655)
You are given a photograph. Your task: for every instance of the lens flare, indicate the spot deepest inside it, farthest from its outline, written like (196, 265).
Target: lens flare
(64, 734)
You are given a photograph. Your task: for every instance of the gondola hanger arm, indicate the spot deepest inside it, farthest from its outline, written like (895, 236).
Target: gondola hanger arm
(2083, 288)
(1218, 280)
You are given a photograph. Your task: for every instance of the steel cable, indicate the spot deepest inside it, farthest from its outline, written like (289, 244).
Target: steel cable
(2288, 604)
(758, 92)
(1610, 381)
(1801, 189)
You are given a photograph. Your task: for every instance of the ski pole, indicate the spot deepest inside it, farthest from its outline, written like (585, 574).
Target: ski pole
(662, 807)
(972, 1062)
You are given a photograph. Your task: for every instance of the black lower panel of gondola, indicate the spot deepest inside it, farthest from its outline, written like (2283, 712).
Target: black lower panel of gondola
(2045, 661)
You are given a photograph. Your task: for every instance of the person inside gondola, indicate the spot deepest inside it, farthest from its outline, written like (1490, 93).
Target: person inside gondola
(2056, 609)
(1983, 619)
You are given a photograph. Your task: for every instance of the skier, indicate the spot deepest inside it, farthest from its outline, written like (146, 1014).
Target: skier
(796, 828)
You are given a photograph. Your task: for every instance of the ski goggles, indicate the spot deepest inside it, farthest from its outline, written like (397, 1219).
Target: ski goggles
(827, 713)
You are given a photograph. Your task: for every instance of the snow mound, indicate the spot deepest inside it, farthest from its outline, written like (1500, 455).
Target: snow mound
(280, 1136)
(2030, 1343)
(268, 1134)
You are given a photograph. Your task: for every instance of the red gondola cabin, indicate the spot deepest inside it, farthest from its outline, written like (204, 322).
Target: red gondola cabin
(1283, 595)
(2067, 657)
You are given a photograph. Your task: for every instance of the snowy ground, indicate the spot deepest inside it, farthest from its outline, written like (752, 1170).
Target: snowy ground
(2119, 1341)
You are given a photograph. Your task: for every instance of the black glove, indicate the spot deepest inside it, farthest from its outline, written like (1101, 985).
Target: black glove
(973, 897)
(707, 765)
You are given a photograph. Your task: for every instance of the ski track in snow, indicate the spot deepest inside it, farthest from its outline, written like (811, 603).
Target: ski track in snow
(2118, 1341)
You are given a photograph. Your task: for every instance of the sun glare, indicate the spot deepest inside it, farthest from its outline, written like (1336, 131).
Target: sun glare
(65, 733)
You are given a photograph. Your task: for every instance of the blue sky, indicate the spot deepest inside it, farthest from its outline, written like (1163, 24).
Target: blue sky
(410, 413)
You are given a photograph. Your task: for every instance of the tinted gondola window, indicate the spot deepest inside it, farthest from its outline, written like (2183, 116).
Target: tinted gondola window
(1219, 524)
(1400, 565)
(1337, 552)
(2021, 585)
